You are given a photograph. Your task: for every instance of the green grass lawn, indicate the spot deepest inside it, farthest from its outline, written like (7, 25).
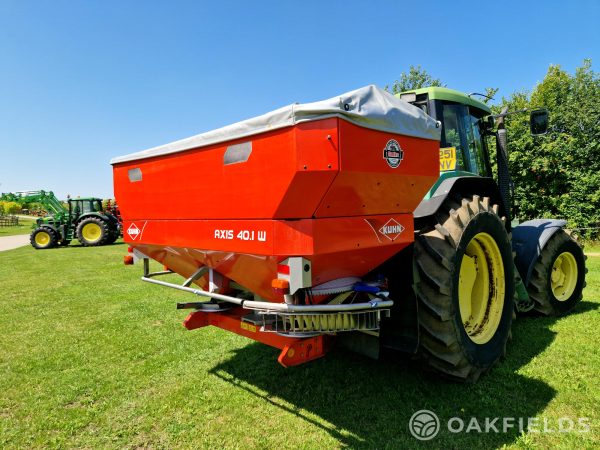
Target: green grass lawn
(24, 227)
(92, 357)
(592, 247)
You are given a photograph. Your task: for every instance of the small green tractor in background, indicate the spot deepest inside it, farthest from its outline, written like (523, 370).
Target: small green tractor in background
(83, 219)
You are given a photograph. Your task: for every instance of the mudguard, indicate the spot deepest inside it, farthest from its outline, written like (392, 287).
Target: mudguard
(48, 225)
(528, 240)
(463, 185)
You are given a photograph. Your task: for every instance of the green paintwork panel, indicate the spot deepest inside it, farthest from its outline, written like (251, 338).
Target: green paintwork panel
(445, 176)
(451, 95)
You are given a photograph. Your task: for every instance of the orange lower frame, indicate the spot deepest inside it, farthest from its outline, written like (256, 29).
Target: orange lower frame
(294, 351)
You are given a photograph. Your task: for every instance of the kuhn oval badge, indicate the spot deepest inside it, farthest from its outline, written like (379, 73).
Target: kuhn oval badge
(393, 154)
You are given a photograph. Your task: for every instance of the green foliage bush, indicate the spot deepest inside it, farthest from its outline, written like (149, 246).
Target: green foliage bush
(558, 175)
(416, 78)
(9, 208)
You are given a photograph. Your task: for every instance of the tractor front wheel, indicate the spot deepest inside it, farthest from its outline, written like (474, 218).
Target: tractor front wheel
(92, 232)
(465, 289)
(43, 237)
(558, 277)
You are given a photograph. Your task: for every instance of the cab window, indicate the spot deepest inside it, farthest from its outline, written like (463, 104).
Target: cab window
(453, 132)
(461, 130)
(477, 150)
(87, 207)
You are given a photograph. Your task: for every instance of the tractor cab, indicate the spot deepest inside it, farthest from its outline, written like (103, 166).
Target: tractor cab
(79, 206)
(466, 122)
(463, 149)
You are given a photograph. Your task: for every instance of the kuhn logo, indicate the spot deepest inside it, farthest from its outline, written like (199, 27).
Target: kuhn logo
(393, 154)
(391, 230)
(133, 231)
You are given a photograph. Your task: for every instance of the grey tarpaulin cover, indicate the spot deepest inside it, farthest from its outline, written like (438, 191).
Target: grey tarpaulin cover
(369, 107)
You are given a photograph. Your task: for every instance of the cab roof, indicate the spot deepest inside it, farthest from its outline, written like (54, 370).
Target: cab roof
(442, 93)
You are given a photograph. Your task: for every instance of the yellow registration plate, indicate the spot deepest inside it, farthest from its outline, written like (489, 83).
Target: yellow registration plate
(447, 159)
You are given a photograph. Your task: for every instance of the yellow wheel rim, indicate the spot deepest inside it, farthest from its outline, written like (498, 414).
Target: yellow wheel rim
(42, 239)
(481, 288)
(563, 278)
(91, 232)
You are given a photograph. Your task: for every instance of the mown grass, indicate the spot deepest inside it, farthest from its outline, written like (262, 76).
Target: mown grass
(92, 357)
(24, 227)
(592, 247)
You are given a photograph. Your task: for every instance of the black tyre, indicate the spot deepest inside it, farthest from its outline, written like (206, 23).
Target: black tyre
(92, 232)
(114, 235)
(466, 288)
(43, 237)
(558, 277)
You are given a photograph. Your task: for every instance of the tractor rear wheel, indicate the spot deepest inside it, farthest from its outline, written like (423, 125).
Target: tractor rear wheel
(113, 236)
(92, 232)
(558, 277)
(465, 289)
(43, 237)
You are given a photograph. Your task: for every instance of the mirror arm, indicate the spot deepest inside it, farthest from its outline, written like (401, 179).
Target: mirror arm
(510, 113)
(481, 95)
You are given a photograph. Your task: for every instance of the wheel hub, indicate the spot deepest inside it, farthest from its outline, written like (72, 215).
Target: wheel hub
(91, 232)
(42, 238)
(563, 277)
(481, 288)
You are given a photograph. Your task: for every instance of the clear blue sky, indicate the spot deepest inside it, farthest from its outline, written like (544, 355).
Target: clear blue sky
(84, 81)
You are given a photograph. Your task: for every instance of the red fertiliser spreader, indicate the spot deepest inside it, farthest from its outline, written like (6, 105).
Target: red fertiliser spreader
(281, 225)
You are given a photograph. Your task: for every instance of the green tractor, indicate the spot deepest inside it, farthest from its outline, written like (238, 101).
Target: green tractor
(473, 266)
(83, 218)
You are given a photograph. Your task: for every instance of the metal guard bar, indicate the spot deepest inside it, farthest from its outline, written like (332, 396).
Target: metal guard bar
(275, 307)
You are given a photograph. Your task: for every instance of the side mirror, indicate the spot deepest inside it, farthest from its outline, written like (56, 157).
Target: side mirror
(538, 122)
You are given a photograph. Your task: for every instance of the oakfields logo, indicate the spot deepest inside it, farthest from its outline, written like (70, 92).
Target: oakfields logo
(425, 425)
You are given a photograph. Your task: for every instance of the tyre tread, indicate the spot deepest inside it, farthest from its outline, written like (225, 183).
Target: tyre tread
(441, 348)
